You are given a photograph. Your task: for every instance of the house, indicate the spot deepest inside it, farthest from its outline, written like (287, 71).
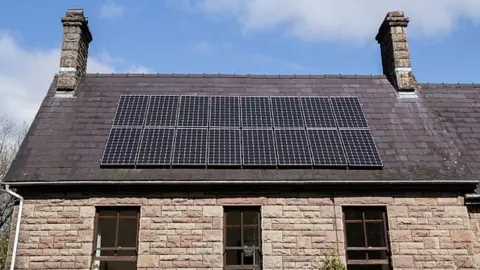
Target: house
(218, 171)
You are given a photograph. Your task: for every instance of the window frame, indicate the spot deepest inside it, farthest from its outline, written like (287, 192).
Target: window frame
(384, 221)
(115, 248)
(242, 209)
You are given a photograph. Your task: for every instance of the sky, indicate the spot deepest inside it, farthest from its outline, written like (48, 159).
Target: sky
(231, 36)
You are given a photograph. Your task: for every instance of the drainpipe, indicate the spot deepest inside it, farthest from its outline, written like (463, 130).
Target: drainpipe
(17, 228)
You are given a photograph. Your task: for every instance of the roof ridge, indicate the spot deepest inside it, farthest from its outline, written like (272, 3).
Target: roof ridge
(252, 76)
(452, 85)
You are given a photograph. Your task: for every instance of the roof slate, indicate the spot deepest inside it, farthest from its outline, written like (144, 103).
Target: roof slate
(435, 137)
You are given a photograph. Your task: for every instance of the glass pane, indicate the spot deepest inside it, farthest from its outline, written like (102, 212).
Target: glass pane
(105, 253)
(250, 218)
(234, 257)
(127, 234)
(355, 236)
(107, 213)
(374, 214)
(126, 253)
(377, 255)
(116, 265)
(106, 232)
(368, 267)
(251, 259)
(234, 237)
(250, 236)
(356, 255)
(375, 235)
(128, 213)
(353, 214)
(233, 218)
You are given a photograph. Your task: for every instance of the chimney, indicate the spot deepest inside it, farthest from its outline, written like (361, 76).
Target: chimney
(74, 54)
(392, 37)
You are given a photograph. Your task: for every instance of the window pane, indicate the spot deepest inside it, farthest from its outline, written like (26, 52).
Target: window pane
(234, 237)
(250, 236)
(104, 265)
(128, 213)
(126, 253)
(353, 214)
(377, 255)
(127, 234)
(107, 213)
(233, 218)
(375, 235)
(105, 253)
(250, 218)
(357, 255)
(106, 232)
(373, 214)
(355, 236)
(368, 267)
(234, 257)
(254, 259)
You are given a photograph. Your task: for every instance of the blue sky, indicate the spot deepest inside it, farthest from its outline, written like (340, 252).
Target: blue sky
(233, 36)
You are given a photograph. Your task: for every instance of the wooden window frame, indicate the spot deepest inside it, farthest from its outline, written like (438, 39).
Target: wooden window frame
(258, 248)
(366, 248)
(115, 248)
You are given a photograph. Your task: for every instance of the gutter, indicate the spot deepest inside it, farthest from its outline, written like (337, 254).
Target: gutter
(472, 199)
(17, 228)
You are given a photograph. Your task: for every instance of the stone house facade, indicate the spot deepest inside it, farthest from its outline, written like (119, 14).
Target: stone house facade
(419, 211)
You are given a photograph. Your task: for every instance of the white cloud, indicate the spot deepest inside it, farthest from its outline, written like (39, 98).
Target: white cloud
(266, 59)
(203, 47)
(350, 20)
(111, 10)
(25, 76)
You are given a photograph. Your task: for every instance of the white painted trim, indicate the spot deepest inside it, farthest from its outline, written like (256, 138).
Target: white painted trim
(403, 69)
(68, 69)
(17, 228)
(64, 94)
(407, 95)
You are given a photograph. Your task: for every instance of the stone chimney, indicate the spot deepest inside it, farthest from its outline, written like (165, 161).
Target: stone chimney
(392, 37)
(74, 54)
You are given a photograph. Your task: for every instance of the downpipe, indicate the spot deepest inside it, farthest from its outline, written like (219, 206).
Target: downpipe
(17, 228)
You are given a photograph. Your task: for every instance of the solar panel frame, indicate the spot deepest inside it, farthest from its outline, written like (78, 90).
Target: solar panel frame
(318, 152)
(293, 141)
(153, 119)
(213, 139)
(286, 121)
(170, 137)
(318, 112)
(217, 120)
(194, 116)
(202, 160)
(255, 120)
(347, 119)
(354, 156)
(123, 115)
(120, 147)
(247, 148)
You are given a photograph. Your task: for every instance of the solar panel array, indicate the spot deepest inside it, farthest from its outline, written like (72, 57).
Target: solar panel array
(240, 131)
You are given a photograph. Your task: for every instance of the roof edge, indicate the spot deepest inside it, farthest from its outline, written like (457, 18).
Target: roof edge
(227, 75)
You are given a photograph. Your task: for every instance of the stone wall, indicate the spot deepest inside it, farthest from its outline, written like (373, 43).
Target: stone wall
(184, 231)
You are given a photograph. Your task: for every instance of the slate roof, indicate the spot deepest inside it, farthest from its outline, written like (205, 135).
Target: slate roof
(430, 139)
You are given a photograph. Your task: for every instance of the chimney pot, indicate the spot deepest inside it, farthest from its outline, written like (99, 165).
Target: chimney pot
(74, 50)
(392, 37)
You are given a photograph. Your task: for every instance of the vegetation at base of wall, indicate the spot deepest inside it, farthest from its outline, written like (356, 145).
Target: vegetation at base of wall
(3, 251)
(332, 262)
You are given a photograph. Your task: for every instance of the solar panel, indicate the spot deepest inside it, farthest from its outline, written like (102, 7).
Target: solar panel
(287, 112)
(258, 147)
(162, 111)
(256, 112)
(224, 147)
(224, 112)
(348, 112)
(292, 147)
(122, 146)
(193, 111)
(326, 147)
(156, 146)
(131, 111)
(360, 148)
(190, 147)
(318, 112)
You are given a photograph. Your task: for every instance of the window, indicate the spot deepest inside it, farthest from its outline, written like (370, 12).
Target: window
(242, 238)
(116, 237)
(366, 235)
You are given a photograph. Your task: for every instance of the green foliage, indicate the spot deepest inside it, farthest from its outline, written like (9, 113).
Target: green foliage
(3, 251)
(332, 262)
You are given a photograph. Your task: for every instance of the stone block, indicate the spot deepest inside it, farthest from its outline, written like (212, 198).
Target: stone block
(148, 260)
